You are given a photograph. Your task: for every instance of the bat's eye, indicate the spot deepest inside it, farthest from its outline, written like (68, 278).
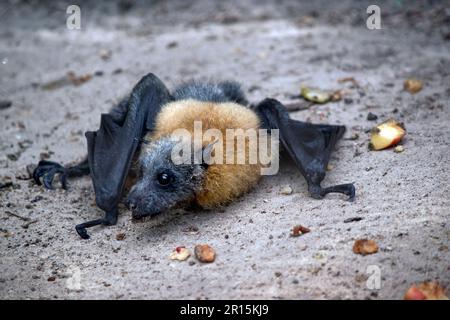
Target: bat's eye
(164, 178)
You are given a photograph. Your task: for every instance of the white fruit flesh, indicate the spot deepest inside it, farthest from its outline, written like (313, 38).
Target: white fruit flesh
(386, 135)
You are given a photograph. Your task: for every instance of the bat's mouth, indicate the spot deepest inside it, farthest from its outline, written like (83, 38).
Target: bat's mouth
(140, 216)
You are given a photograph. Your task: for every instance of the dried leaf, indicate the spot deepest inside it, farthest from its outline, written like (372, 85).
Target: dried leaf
(365, 246)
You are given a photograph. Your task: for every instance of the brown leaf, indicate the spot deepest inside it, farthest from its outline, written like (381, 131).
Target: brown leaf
(365, 246)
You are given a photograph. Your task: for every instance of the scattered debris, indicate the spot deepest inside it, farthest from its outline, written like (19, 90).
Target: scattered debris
(286, 190)
(6, 184)
(315, 95)
(399, 149)
(386, 134)
(413, 85)
(349, 79)
(117, 71)
(36, 199)
(69, 79)
(371, 116)
(191, 230)
(171, 45)
(27, 224)
(426, 291)
(25, 144)
(299, 230)
(120, 236)
(78, 80)
(180, 254)
(5, 104)
(205, 253)
(353, 219)
(13, 156)
(298, 106)
(336, 95)
(5, 233)
(365, 246)
(348, 100)
(329, 167)
(105, 54)
(44, 156)
(353, 137)
(17, 216)
(51, 279)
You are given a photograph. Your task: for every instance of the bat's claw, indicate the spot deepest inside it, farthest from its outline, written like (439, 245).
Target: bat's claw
(351, 192)
(82, 232)
(109, 220)
(318, 192)
(347, 189)
(47, 171)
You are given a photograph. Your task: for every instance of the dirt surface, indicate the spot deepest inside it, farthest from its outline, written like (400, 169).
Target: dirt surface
(271, 49)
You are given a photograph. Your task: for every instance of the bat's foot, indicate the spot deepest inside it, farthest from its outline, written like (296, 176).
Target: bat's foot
(110, 219)
(47, 171)
(348, 189)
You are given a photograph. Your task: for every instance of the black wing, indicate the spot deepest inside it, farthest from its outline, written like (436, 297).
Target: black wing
(112, 147)
(309, 145)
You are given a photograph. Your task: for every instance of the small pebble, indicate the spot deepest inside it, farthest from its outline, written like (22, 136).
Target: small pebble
(399, 149)
(5, 104)
(372, 117)
(286, 190)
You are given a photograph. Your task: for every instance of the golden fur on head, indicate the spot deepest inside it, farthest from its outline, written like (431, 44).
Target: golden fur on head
(222, 182)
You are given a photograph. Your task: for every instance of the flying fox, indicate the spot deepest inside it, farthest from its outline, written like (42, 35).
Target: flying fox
(130, 157)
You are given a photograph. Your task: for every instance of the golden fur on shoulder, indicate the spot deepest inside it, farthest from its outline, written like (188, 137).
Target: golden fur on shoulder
(223, 182)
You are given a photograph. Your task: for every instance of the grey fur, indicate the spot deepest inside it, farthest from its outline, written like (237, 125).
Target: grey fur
(147, 196)
(225, 91)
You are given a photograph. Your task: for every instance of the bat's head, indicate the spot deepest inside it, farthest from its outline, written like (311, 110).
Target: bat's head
(162, 183)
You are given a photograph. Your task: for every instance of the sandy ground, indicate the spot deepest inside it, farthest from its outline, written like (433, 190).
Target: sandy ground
(271, 49)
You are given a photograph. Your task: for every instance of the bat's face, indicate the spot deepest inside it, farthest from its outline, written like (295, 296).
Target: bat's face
(162, 185)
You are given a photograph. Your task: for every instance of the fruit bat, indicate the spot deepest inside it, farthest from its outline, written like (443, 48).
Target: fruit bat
(130, 157)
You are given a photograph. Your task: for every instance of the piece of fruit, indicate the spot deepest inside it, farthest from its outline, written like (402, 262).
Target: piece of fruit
(299, 230)
(386, 134)
(365, 246)
(180, 254)
(426, 291)
(413, 85)
(286, 190)
(205, 253)
(315, 95)
(399, 149)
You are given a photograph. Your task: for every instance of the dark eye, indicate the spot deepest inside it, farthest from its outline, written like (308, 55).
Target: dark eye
(164, 178)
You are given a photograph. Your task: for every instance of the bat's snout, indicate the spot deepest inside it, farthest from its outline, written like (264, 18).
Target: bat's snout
(137, 211)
